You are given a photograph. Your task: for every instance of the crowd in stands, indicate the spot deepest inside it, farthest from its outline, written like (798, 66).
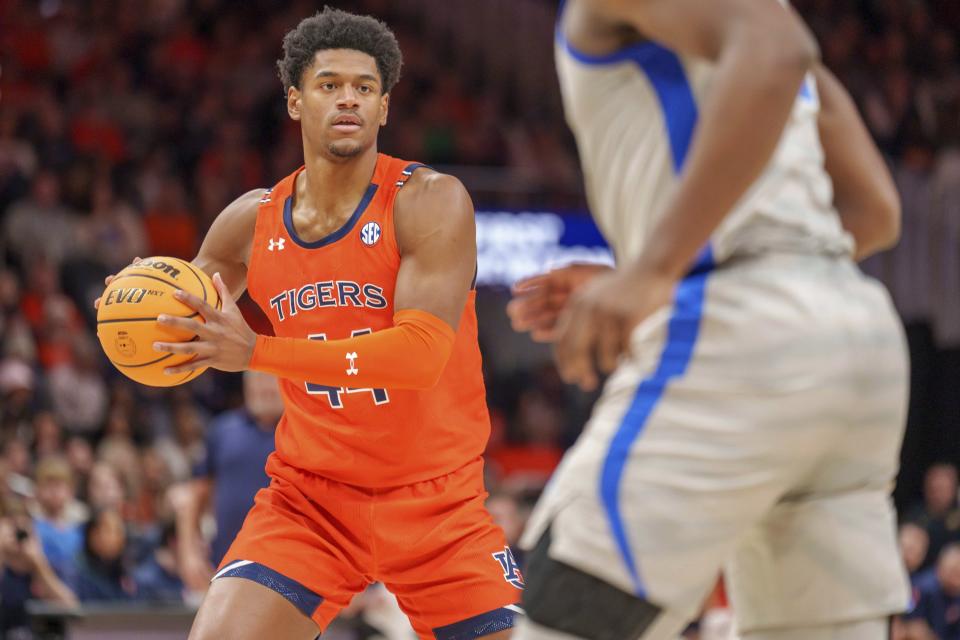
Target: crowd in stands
(126, 127)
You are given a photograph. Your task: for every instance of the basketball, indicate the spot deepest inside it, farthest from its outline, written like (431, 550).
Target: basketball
(127, 317)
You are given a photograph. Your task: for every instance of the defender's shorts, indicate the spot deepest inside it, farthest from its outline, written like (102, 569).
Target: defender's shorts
(432, 543)
(756, 429)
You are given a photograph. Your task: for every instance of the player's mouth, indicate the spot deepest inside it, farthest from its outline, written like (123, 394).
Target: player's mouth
(347, 123)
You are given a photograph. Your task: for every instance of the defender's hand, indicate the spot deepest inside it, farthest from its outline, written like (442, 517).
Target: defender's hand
(538, 301)
(594, 329)
(224, 341)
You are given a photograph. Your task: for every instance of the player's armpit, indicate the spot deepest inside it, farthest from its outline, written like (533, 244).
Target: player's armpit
(709, 29)
(412, 354)
(226, 247)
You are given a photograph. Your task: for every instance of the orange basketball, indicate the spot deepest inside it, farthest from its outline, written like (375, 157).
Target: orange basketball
(127, 317)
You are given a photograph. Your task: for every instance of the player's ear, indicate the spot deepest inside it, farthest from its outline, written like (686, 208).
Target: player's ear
(384, 108)
(293, 103)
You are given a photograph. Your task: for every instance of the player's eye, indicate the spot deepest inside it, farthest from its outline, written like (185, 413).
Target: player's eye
(328, 86)
(365, 88)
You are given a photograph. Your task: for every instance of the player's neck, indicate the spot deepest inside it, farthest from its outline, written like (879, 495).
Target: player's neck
(330, 186)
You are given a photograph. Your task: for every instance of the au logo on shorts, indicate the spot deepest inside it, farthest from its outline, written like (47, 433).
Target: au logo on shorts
(370, 234)
(511, 570)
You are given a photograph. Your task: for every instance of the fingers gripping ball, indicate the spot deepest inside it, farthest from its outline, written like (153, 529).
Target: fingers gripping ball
(127, 317)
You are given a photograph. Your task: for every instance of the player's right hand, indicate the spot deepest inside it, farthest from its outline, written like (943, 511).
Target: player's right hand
(107, 281)
(538, 301)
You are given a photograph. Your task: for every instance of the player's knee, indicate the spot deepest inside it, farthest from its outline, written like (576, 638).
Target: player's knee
(565, 599)
(242, 609)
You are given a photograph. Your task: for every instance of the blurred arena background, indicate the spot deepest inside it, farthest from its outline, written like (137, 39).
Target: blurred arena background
(125, 127)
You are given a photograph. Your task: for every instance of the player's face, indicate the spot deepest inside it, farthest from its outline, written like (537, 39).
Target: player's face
(340, 103)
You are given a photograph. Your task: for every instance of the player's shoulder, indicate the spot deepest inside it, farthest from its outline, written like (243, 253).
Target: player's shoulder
(247, 205)
(428, 188)
(432, 204)
(230, 237)
(238, 219)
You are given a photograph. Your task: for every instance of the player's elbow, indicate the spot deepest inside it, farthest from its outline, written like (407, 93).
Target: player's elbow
(800, 52)
(882, 204)
(426, 374)
(784, 51)
(887, 219)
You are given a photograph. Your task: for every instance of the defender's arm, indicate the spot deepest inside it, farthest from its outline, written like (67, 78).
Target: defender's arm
(863, 190)
(762, 51)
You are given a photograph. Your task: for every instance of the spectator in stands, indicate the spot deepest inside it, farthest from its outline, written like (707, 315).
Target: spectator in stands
(937, 604)
(18, 466)
(118, 449)
(511, 515)
(16, 339)
(183, 449)
(26, 575)
(238, 443)
(79, 454)
(40, 225)
(914, 542)
(18, 160)
(114, 232)
(149, 504)
(78, 390)
(533, 448)
(939, 514)
(158, 577)
(17, 382)
(52, 316)
(57, 523)
(102, 563)
(47, 435)
(105, 489)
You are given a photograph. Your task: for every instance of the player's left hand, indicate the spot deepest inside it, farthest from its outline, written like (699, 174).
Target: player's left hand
(224, 340)
(594, 329)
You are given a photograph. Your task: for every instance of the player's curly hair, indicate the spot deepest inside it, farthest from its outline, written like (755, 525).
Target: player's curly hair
(336, 29)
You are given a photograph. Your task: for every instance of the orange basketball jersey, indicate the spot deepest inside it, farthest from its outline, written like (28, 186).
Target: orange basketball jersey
(342, 286)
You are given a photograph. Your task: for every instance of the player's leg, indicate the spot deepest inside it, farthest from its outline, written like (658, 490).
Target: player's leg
(826, 556)
(876, 629)
(298, 560)
(237, 608)
(676, 533)
(446, 561)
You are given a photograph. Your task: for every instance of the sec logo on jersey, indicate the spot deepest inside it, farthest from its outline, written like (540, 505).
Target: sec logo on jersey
(370, 234)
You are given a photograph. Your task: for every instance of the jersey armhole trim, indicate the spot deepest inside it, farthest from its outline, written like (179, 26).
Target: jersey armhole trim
(263, 208)
(625, 54)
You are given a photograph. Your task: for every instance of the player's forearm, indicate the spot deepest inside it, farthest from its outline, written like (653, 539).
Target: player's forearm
(738, 130)
(410, 355)
(863, 190)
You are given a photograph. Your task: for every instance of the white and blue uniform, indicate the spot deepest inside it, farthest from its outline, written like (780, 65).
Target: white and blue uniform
(756, 426)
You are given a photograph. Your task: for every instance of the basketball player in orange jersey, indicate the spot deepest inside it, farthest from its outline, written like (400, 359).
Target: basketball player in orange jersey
(364, 264)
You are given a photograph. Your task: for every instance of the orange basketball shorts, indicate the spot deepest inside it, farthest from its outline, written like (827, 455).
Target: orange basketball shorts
(432, 544)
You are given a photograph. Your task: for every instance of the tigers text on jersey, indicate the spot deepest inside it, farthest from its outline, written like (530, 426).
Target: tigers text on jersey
(633, 113)
(341, 286)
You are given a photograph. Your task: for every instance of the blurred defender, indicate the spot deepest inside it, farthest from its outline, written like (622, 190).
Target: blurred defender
(758, 415)
(365, 266)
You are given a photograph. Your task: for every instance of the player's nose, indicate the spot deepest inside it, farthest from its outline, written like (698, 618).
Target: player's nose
(348, 98)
